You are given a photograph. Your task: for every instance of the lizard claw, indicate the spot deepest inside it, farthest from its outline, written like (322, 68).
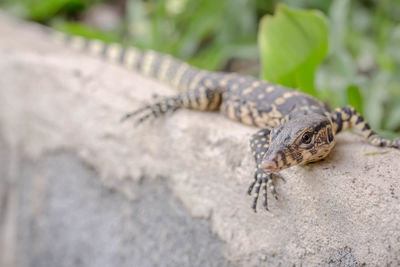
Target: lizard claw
(154, 110)
(261, 180)
(136, 112)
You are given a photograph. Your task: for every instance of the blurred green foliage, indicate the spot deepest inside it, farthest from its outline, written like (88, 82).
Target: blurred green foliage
(292, 45)
(362, 66)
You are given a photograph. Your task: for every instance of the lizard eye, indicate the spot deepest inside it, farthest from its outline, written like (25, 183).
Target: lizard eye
(306, 138)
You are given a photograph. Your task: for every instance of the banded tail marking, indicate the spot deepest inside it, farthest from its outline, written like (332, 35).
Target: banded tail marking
(95, 47)
(130, 57)
(165, 64)
(112, 52)
(165, 68)
(58, 37)
(77, 43)
(147, 66)
(347, 117)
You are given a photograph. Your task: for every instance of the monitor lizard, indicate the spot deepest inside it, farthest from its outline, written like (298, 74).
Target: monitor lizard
(296, 128)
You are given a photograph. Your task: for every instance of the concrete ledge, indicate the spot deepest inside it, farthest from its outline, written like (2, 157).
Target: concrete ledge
(60, 106)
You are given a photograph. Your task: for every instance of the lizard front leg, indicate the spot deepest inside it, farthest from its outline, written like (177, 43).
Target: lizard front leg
(259, 144)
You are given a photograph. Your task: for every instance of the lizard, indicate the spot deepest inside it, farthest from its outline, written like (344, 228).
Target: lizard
(295, 128)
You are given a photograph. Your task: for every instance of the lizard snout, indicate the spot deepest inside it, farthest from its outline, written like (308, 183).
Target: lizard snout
(269, 165)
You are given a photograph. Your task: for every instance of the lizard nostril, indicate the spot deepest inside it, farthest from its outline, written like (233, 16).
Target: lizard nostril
(269, 165)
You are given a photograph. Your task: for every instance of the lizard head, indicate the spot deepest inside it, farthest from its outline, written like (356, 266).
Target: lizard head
(298, 141)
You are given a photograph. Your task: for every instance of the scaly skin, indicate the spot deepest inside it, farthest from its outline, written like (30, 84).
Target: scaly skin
(295, 128)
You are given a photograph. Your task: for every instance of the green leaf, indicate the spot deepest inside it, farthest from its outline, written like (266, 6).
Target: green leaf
(42, 10)
(292, 44)
(393, 119)
(354, 98)
(73, 28)
(329, 96)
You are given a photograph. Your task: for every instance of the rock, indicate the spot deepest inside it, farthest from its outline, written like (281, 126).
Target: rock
(78, 188)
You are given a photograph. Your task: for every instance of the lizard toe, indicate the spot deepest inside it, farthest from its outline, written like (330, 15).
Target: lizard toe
(263, 181)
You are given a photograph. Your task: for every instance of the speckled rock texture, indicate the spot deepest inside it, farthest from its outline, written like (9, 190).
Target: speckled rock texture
(78, 188)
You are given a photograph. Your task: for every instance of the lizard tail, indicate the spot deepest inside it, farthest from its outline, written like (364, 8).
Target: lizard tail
(164, 68)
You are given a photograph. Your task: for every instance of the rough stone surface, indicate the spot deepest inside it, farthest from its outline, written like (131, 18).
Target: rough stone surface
(97, 226)
(78, 187)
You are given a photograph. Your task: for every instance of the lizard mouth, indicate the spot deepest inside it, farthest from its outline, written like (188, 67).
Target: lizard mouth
(275, 162)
